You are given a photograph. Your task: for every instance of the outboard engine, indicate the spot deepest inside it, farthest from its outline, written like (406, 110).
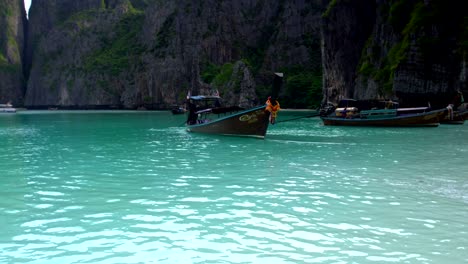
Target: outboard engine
(326, 109)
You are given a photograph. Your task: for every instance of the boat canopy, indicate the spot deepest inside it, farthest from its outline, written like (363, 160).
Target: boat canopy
(416, 109)
(368, 104)
(204, 97)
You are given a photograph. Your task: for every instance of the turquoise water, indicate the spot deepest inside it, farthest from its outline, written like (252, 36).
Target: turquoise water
(135, 187)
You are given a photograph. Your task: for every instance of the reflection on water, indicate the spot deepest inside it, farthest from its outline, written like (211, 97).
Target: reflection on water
(126, 187)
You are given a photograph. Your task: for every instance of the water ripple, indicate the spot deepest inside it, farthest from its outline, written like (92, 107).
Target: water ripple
(129, 188)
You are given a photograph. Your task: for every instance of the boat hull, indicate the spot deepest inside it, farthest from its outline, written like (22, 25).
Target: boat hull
(421, 119)
(458, 118)
(253, 122)
(7, 110)
(178, 111)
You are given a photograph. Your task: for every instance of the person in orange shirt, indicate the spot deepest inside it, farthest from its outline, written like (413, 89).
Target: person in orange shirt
(273, 108)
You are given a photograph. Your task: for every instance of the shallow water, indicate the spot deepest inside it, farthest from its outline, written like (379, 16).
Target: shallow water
(135, 187)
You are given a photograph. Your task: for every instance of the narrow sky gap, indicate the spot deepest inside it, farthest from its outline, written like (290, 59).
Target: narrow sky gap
(27, 4)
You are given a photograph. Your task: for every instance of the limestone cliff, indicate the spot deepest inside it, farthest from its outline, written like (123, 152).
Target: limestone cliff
(133, 53)
(410, 50)
(12, 44)
(61, 46)
(151, 53)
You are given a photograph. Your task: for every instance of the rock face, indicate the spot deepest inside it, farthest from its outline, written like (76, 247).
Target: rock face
(129, 54)
(148, 53)
(346, 27)
(407, 50)
(61, 48)
(12, 45)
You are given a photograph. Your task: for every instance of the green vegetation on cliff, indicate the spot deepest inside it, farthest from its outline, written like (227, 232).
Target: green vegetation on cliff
(209, 72)
(330, 7)
(164, 36)
(303, 88)
(10, 68)
(118, 50)
(136, 51)
(3, 60)
(10, 57)
(217, 75)
(5, 9)
(302, 85)
(420, 26)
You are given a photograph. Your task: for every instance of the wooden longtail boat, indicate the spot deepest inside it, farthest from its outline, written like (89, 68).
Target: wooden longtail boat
(7, 108)
(397, 117)
(206, 115)
(211, 118)
(420, 119)
(177, 110)
(456, 118)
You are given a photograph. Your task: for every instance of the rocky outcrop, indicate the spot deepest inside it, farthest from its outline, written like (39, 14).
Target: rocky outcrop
(12, 45)
(45, 15)
(141, 53)
(240, 89)
(64, 55)
(150, 53)
(405, 50)
(345, 30)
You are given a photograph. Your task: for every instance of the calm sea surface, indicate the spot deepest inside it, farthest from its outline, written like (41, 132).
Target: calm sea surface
(135, 187)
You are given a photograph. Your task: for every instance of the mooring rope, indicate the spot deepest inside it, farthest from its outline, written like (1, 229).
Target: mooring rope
(281, 121)
(287, 120)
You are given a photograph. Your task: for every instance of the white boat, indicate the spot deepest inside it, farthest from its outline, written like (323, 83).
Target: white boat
(7, 108)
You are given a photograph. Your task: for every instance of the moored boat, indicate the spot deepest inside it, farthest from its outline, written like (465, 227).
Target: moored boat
(455, 118)
(393, 117)
(177, 110)
(206, 115)
(7, 108)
